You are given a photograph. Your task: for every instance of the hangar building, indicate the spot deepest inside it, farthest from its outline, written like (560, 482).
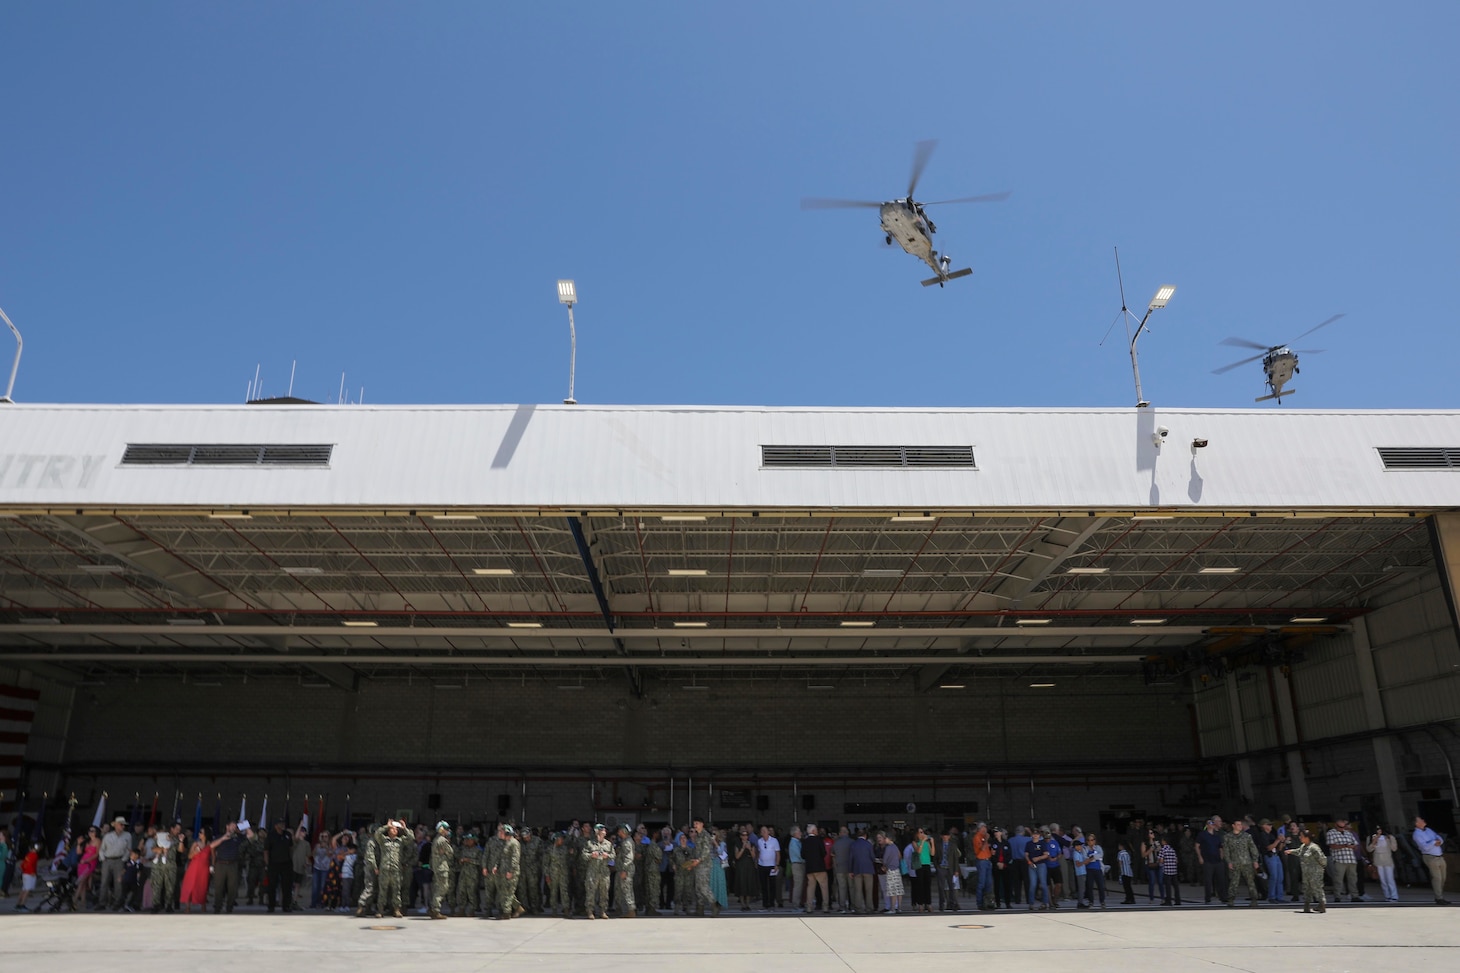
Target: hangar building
(784, 614)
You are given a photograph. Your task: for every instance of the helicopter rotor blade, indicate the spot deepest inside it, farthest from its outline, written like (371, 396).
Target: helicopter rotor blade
(1244, 343)
(1236, 364)
(816, 202)
(1316, 327)
(985, 198)
(921, 153)
(1308, 351)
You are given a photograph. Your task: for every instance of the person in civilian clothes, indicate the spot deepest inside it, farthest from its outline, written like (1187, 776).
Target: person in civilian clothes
(1054, 846)
(1036, 856)
(1343, 861)
(132, 878)
(1432, 849)
(1169, 863)
(1123, 870)
(1094, 871)
(813, 851)
(950, 855)
(1381, 848)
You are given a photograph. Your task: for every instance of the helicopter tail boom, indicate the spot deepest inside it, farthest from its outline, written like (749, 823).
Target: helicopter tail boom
(951, 275)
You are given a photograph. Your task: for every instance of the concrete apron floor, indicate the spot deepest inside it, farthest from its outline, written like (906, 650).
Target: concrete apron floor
(1270, 938)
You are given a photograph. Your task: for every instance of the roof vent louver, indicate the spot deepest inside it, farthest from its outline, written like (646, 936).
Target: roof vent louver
(227, 454)
(1420, 457)
(866, 457)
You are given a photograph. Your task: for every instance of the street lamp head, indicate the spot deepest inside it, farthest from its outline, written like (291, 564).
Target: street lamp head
(567, 293)
(1163, 294)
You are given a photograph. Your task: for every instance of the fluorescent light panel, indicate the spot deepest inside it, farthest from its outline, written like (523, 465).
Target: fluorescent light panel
(691, 624)
(858, 624)
(1041, 685)
(524, 624)
(685, 519)
(1087, 571)
(1308, 619)
(1220, 571)
(910, 518)
(882, 573)
(227, 515)
(1032, 621)
(356, 623)
(493, 572)
(688, 572)
(950, 685)
(454, 517)
(1148, 621)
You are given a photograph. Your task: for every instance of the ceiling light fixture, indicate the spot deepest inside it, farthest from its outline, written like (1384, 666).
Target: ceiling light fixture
(882, 572)
(1220, 571)
(1308, 619)
(231, 515)
(691, 624)
(688, 572)
(1087, 571)
(858, 624)
(493, 572)
(950, 685)
(1032, 621)
(357, 623)
(524, 624)
(911, 518)
(1148, 621)
(1041, 685)
(683, 519)
(454, 517)
(305, 571)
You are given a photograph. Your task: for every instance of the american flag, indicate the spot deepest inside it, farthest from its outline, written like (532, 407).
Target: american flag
(17, 713)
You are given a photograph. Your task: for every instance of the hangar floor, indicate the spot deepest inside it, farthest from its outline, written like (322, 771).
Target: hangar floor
(1265, 940)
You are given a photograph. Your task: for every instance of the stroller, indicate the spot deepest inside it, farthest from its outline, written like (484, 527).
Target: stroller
(60, 891)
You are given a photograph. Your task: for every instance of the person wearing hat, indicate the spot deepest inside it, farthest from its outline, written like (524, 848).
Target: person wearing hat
(467, 876)
(443, 856)
(505, 873)
(596, 853)
(558, 897)
(370, 872)
(116, 847)
(529, 885)
(624, 882)
(1312, 860)
(393, 871)
(1239, 851)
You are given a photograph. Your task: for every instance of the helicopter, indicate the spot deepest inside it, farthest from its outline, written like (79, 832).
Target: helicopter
(1279, 362)
(905, 221)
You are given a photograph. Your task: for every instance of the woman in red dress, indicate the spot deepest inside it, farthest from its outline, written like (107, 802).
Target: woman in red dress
(194, 889)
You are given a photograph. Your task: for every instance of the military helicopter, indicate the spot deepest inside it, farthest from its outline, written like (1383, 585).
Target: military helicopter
(1279, 362)
(906, 223)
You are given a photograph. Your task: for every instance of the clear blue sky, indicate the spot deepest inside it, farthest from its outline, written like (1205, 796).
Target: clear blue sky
(390, 190)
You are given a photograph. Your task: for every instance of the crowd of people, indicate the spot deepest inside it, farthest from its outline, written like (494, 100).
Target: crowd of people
(590, 871)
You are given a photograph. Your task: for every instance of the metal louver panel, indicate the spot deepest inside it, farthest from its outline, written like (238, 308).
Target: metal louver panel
(1420, 457)
(146, 454)
(867, 457)
(227, 454)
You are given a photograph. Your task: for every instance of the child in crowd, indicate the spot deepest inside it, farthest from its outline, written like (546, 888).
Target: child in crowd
(28, 866)
(132, 879)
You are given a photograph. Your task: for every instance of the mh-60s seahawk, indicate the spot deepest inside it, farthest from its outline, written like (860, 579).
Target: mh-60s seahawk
(906, 223)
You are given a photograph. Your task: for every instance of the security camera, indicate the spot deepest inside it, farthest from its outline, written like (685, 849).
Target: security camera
(1159, 436)
(1162, 431)
(1198, 444)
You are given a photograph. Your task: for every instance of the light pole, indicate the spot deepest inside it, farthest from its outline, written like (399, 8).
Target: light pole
(19, 346)
(1163, 294)
(568, 294)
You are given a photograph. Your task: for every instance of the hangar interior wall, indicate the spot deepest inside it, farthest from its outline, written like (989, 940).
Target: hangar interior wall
(1085, 745)
(1416, 667)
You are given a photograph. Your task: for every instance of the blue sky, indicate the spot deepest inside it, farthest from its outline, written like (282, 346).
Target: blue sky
(390, 190)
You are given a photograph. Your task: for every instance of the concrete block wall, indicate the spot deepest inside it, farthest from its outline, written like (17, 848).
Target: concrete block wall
(1086, 744)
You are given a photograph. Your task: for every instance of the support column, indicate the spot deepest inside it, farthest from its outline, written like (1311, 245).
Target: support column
(1239, 737)
(1301, 804)
(1374, 719)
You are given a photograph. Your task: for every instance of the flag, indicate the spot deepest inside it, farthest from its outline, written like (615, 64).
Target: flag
(100, 815)
(304, 815)
(243, 809)
(218, 815)
(152, 817)
(136, 809)
(264, 815)
(176, 806)
(40, 818)
(198, 815)
(319, 813)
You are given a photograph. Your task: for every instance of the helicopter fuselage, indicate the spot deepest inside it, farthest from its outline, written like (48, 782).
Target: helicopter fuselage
(1280, 364)
(904, 222)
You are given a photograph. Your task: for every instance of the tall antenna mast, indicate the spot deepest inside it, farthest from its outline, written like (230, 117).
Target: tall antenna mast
(15, 367)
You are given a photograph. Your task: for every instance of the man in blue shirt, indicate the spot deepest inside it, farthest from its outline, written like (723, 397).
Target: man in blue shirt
(1209, 854)
(1432, 850)
(1018, 871)
(798, 868)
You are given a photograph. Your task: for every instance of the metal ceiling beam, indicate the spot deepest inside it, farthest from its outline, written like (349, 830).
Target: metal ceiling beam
(132, 658)
(600, 595)
(1017, 587)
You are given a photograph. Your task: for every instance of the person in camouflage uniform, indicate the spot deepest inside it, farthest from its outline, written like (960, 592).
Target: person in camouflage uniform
(505, 873)
(370, 856)
(529, 888)
(443, 856)
(1313, 861)
(468, 873)
(577, 838)
(164, 873)
(253, 860)
(596, 854)
(491, 857)
(704, 859)
(653, 860)
(557, 876)
(624, 882)
(1240, 853)
(684, 883)
(394, 868)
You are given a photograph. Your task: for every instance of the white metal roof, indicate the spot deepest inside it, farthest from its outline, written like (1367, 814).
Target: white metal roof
(694, 457)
